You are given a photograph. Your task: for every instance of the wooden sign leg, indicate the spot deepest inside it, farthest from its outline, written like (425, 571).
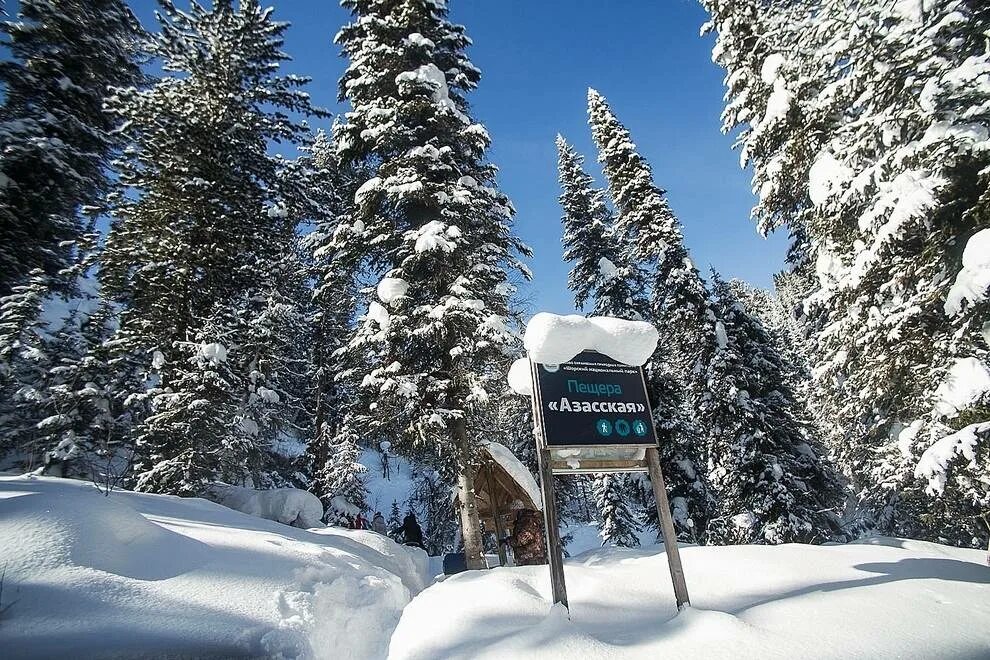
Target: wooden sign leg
(555, 552)
(667, 528)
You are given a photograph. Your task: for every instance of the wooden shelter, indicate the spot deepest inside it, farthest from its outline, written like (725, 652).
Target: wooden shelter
(502, 485)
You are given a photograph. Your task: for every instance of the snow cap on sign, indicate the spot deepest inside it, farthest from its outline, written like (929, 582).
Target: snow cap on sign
(553, 339)
(520, 378)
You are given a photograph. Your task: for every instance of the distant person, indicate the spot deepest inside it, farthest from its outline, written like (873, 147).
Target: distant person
(412, 533)
(378, 523)
(360, 522)
(527, 540)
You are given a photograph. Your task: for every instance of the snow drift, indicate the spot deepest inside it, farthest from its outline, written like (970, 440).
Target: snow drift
(135, 575)
(886, 598)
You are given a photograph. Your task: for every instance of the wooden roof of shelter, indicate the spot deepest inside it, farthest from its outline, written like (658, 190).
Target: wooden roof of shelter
(499, 481)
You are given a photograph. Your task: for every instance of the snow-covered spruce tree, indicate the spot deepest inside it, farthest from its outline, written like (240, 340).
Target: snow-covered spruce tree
(775, 314)
(434, 229)
(63, 57)
(196, 255)
(617, 525)
(603, 272)
(343, 477)
(24, 363)
(678, 305)
(771, 484)
(867, 133)
(682, 447)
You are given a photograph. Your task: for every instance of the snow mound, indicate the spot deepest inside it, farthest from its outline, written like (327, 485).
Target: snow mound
(134, 575)
(289, 506)
(973, 281)
(554, 339)
(789, 601)
(520, 377)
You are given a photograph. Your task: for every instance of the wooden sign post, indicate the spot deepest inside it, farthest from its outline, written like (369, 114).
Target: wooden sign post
(592, 414)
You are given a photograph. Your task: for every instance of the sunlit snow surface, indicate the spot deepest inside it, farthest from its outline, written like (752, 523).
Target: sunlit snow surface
(149, 576)
(881, 599)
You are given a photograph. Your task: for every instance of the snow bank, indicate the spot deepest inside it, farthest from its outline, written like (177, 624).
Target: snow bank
(519, 472)
(973, 280)
(790, 601)
(289, 506)
(553, 339)
(520, 377)
(136, 575)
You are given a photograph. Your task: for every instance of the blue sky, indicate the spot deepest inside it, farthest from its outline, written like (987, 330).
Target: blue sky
(538, 57)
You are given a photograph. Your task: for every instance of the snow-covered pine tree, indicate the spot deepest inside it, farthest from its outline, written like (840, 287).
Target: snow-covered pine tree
(343, 475)
(431, 228)
(196, 256)
(63, 57)
(867, 134)
(678, 305)
(771, 484)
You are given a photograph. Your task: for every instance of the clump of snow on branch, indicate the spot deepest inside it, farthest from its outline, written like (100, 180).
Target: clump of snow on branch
(934, 463)
(607, 269)
(391, 289)
(429, 75)
(435, 235)
(967, 380)
(553, 339)
(379, 315)
(213, 352)
(520, 377)
(973, 280)
(826, 177)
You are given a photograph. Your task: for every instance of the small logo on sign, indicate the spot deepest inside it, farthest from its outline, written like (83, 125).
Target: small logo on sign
(622, 427)
(604, 427)
(639, 427)
(551, 368)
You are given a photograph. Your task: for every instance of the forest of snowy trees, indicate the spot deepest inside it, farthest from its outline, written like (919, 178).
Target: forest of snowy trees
(182, 306)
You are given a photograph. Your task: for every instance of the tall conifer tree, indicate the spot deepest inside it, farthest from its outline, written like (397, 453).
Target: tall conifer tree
(771, 484)
(432, 236)
(867, 133)
(678, 306)
(57, 139)
(199, 258)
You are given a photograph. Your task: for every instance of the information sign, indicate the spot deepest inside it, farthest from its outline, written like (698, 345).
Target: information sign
(593, 400)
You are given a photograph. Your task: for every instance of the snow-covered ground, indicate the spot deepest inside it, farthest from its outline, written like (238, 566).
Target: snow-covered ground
(885, 598)
(134, 575)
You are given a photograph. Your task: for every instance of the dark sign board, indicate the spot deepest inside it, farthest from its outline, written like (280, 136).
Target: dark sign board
(593, 400)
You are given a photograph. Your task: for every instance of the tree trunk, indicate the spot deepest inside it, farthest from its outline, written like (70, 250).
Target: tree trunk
(470, 523)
